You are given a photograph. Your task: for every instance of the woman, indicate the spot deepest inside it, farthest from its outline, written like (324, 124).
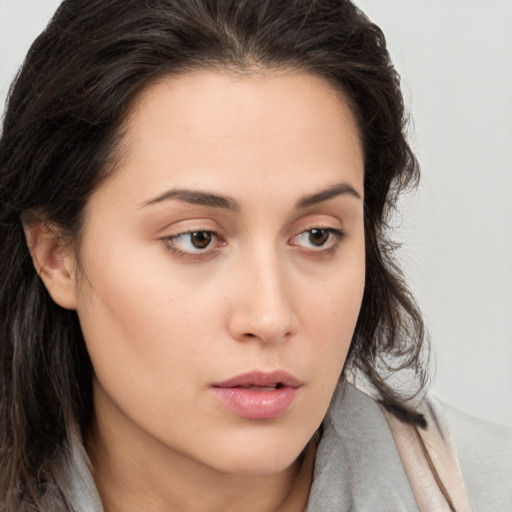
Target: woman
(194, 200)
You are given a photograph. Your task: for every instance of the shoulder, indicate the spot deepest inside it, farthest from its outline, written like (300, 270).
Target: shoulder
(484, 451)
(362, 443)
(357, 459)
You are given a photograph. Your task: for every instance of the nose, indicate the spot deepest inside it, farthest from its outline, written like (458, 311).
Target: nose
(263, 307)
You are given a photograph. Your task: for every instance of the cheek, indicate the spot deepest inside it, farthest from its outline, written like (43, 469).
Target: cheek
(152, 347)
(329, 318)
(333, 313)
(141, 323)
(336, 298)
(334, 324)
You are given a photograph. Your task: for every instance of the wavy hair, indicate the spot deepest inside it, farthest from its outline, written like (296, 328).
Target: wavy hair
(61, 133)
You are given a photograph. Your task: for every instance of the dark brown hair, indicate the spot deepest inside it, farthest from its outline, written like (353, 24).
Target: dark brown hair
(61, 129)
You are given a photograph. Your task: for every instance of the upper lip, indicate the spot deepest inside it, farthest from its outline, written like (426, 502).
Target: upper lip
(260, 378)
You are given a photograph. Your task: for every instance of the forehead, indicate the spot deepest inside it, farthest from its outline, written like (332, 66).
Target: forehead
(206, 128)
(266, 100)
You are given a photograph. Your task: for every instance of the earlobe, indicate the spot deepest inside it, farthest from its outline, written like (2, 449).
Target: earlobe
(54, 260)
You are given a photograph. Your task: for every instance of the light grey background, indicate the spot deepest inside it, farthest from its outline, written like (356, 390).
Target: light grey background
(455, 57)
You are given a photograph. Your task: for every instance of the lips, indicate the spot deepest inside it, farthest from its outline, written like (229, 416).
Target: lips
(258, 395)
(261, 379)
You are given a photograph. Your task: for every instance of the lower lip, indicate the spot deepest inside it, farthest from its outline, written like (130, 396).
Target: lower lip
(257, 405)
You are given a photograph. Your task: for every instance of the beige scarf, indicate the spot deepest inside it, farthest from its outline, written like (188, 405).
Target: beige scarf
(430, 462)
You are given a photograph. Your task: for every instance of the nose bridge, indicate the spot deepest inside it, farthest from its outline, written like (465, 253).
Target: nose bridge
(264, 309)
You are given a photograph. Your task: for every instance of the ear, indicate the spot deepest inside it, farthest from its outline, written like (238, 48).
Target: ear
(54, 260)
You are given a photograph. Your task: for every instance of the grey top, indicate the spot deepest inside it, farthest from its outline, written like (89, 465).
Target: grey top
(358, 468)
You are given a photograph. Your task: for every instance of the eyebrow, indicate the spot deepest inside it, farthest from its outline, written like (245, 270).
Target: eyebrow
(228, 203)
(339, 189)
(196, 197)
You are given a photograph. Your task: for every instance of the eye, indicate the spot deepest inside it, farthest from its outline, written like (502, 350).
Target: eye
(192, 242)
(318, 239)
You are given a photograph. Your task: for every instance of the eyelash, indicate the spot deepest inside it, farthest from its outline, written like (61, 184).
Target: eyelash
(336, 236)
(170, 242)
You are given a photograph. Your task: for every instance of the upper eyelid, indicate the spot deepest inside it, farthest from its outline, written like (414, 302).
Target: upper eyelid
(338, 234)
(171, 246)
(291, 230)
(190, 232)
(325, 220)
(219, 232)
(304, 222)
(189, 226)
(329, 226)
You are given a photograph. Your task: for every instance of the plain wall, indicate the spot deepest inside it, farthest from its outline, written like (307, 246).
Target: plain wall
(455, 58)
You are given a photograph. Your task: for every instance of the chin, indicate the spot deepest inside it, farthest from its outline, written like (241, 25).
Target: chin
(261, 457)
(262, 465)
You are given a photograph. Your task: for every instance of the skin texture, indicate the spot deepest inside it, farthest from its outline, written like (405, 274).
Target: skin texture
(164, 320)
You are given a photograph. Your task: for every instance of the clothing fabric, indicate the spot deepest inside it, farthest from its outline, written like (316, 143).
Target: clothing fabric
(365, 462)
(430, 461)
(359, 467)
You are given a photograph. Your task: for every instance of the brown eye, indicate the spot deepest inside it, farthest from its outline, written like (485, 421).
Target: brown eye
(319, 237)
(201, 239)
(193, 243)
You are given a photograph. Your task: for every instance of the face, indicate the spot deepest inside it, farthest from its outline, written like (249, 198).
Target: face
(223, 268)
